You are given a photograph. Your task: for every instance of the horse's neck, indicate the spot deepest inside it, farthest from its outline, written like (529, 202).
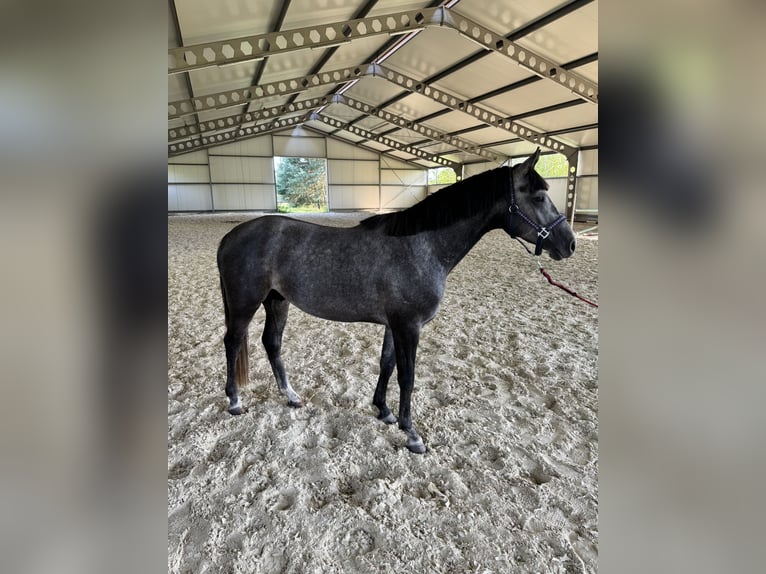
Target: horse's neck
(453, 242)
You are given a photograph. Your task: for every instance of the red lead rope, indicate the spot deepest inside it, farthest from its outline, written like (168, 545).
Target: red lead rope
(551, 281)
(560, 286)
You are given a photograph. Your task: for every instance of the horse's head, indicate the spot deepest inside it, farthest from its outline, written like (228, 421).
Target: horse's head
(532, 215)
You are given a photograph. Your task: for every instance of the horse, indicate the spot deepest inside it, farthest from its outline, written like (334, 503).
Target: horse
(390, 269)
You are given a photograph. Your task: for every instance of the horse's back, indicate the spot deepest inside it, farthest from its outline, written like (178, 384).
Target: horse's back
(337, 273)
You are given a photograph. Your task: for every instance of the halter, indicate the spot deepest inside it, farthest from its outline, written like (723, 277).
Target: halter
(542, 231)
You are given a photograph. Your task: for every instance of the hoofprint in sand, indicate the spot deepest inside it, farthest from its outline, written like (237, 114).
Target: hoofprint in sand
(505, 399)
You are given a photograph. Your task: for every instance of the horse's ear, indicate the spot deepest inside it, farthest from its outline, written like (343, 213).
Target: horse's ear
(532, 160)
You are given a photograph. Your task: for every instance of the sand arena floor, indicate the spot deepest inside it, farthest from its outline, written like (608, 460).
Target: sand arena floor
(505, 399)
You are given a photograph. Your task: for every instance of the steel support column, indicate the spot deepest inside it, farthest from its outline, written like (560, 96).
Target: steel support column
(571, 197)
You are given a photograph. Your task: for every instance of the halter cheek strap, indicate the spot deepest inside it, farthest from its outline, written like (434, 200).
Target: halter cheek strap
(542, 231)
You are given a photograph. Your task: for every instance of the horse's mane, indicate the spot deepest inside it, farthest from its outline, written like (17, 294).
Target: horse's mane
(454, 203)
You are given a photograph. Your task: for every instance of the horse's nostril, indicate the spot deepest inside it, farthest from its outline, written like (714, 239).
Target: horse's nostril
(572, 246)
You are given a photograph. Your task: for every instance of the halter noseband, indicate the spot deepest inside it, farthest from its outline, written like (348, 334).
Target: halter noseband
(542, 231)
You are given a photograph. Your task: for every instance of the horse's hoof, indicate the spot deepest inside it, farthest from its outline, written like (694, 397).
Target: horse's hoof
(389, 419)
(295, 404)
(238, 410)
(416, 446)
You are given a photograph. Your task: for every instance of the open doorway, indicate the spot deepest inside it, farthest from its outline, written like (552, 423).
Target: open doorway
(301, 184)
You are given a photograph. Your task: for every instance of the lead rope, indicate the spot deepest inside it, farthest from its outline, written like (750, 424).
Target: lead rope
(551, 281)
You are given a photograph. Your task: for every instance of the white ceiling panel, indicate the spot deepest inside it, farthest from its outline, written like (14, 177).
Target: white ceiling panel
(484, 75)
(214, 79)
(502, 16)
(414, 106)
(588, 71)
(304, 13)
(530, 97)
(430, 52)
(486, 135)
(354, 52)
(177, 88)
(568, 117)
(583, 138)
(453, 121)
(341, 112)
(374, 124)
(374, 90)
(391, 6)
(289, 65)
(568, 38)
(205, 21)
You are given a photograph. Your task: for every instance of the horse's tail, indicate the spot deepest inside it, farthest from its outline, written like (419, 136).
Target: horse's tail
(242, 365)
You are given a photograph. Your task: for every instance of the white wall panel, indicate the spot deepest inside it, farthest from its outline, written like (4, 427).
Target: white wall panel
(557, 191)
(353, 196)
(588, 162)
(188, 174)
(474, 168)
(403, 176)
(387, 162)
(241, 169)
(199, 156)
(256, 146)
(399, 197)
(352, 172)
(587, 193)
(340, 150)
(285, 146)
(189, 197)
(244, 196)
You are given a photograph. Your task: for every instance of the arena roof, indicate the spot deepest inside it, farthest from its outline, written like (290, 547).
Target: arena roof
(433, 83)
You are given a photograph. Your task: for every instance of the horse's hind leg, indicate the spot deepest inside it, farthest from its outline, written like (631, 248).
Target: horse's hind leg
(235, 342)
(405, 346)
(387, 364)
(276, 319)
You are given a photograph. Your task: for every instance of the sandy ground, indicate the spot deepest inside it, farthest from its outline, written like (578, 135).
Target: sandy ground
(505, 399)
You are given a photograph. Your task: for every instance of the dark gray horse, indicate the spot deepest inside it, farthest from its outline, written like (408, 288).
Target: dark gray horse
(390, 269)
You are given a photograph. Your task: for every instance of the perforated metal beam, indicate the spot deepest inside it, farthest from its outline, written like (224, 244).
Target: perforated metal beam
(243, 120)
(435, 135)
(356, 130)
(232, 135)
(532, 61)
(386, 153)
(481, 114)
(235, 135)
(260, 46)
(229, 98)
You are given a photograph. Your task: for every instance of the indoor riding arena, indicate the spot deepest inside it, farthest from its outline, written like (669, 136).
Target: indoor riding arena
(329, 113)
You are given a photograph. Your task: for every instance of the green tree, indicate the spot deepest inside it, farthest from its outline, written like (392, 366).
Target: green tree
(302, 182)
(441, 175)
(552, 165)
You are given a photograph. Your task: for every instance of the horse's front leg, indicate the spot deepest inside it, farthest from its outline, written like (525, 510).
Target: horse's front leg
(387, 364)
(405, 346)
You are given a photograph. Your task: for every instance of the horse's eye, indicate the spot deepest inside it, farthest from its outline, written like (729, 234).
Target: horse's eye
(538, 199)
